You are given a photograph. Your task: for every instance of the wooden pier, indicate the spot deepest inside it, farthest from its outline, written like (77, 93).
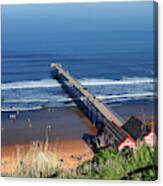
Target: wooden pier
(97, 112)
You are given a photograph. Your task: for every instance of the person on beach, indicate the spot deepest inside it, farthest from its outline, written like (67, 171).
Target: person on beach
(2, 129)
(17, 113)
(29, 122)
(12, 117)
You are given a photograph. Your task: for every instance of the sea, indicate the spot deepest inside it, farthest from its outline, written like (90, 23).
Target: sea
(116, 66)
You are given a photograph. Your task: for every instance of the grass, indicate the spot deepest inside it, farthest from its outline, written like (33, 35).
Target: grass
(130, 164)
(37, 162)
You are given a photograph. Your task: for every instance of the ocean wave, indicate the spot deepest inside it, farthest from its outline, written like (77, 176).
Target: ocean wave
(20, 109)
(45, 83)
(115, 97)
(63, 98)
(123, 81)
(21, 100)
(55, 98)
(19, 106)
(30, 97)
(30, 84)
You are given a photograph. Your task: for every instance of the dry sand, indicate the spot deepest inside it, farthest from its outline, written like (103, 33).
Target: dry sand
(70, 154)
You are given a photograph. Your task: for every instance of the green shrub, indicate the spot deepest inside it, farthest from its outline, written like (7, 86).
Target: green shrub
(131, 164)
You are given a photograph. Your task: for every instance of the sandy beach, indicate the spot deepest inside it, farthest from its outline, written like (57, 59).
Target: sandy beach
(64, 130)
(69, 153)
(64, 136)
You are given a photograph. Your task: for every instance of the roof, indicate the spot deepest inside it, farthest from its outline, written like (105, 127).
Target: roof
(135, 127)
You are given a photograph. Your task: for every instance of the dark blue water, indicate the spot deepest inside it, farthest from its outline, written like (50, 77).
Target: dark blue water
(114, 61)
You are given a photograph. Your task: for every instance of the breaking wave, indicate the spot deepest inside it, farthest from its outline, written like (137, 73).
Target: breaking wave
(27, 95)
(124, 81)
(30, 84)
(86, 82)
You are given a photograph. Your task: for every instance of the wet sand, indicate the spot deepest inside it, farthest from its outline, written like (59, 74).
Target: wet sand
(62, 123)
(144, 111)
(56, 124)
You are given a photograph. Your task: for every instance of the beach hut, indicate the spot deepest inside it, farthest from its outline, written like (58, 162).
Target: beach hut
(128, 142)
(150, 138)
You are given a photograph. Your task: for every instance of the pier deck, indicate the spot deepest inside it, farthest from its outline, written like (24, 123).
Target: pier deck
(107, 112)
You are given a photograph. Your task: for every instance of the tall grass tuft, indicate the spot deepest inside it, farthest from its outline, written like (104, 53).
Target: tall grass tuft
(37, 162)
